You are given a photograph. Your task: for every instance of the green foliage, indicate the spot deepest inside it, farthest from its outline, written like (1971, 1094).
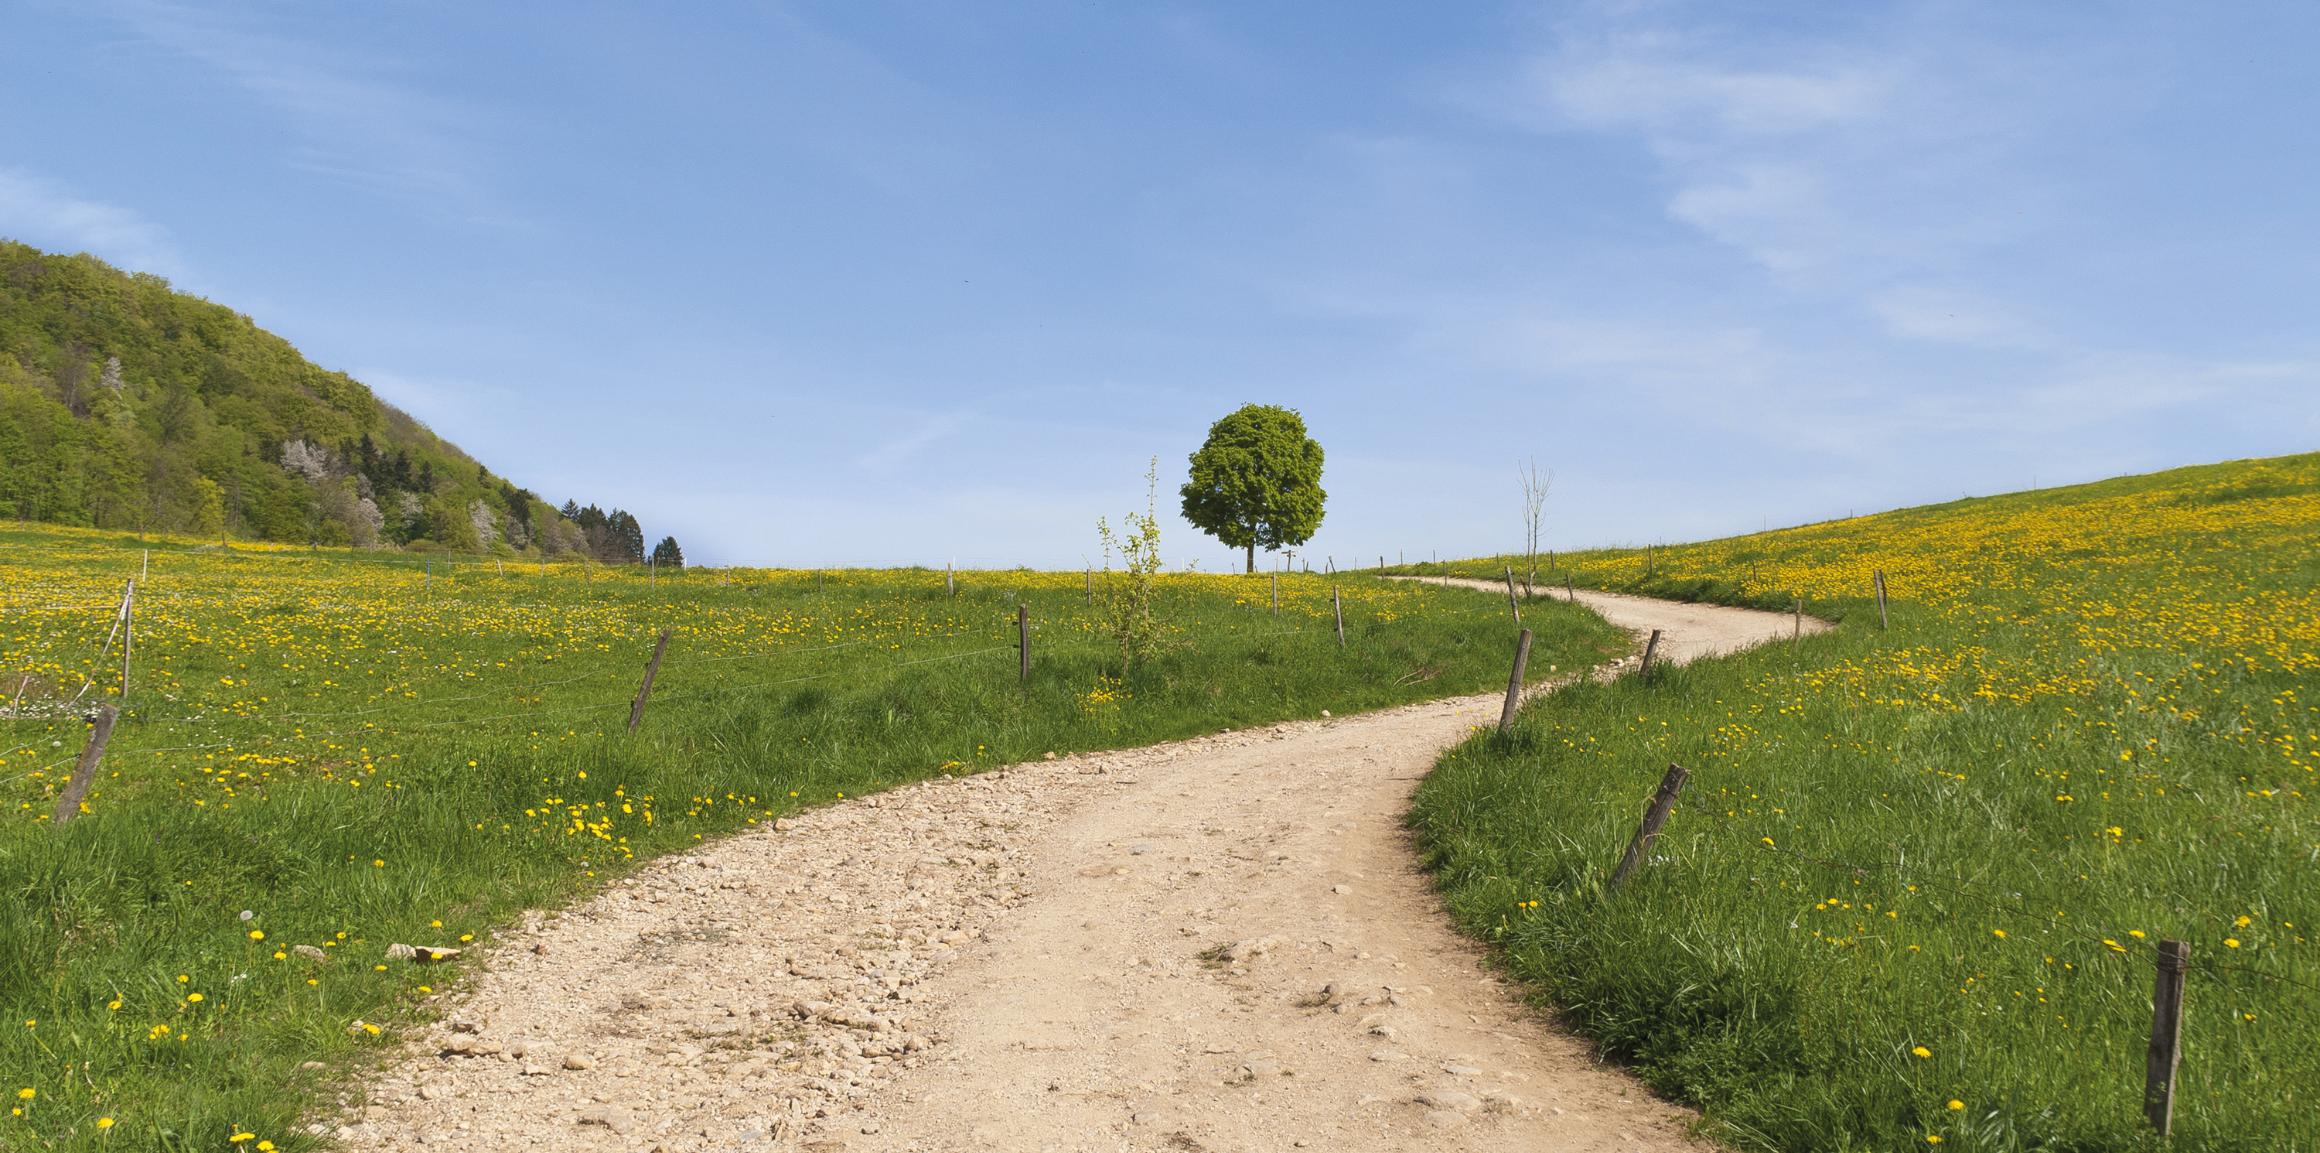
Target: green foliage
(1256, 481)
(668, 555)
(127, 405)
(1128, 614)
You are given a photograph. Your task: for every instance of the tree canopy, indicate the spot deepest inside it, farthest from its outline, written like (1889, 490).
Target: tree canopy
(1256, 481)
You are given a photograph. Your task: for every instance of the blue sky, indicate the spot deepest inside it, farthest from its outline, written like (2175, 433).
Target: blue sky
(892, 283)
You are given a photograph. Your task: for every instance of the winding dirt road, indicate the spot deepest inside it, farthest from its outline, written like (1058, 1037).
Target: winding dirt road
(1217, 944)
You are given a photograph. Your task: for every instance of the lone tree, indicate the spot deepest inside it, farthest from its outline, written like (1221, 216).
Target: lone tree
(667, 555)
(1256, 481)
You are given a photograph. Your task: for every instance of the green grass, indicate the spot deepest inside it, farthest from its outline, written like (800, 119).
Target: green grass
(353, 749)
(2093, 724)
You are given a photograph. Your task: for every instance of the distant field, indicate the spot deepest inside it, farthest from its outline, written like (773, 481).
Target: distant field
(358, 751)
(1912, 895)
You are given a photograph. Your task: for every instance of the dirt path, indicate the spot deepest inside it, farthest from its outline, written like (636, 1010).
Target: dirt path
(1687, 631)
(1217, 944)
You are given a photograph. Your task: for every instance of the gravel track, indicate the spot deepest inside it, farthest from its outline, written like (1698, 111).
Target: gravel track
(1215, 944)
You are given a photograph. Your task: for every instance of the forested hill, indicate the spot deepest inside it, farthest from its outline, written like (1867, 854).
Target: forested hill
(126, 404)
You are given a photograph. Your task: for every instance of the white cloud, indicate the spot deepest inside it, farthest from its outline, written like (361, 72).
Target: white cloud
(1634, 84)
(44, 214)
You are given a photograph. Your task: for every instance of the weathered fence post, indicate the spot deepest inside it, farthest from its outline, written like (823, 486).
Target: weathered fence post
(1570, 590)
(1337, 606)
(1514, 681)
(1091, 584)
(950, 579)
(1653, 817)
(1276, 594)
(2166, 1036)
(1881, 621)
(144, 564)
(1513, 604)
(1023, 643)
(68, 805)
(652, 669)
(1649, 647)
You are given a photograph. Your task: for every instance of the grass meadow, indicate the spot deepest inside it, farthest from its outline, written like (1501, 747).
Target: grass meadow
(1912, 894)
(341, 750)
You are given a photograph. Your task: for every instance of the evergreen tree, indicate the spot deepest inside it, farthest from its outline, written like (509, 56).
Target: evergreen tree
(627, 537)
(667, 555)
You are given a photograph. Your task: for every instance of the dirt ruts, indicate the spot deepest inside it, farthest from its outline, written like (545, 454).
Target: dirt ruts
(1217, 944)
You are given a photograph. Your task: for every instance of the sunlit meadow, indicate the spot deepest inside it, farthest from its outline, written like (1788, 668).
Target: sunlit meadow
(325, 752)
(1912, 895)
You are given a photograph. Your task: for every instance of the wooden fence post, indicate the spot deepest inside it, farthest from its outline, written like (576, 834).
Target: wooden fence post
(1570, 590)
(1649, 647)
(1338, 606)
(128, 635)
(1091, 584)
(1881, 621)
(1514, 682)
(1023, 643)
(652, 669)
(1653, 817)
(1381, 562)
(2166, 1036)
(1276, 594)
(68, 805)
(1513, 605)
(950, 579)
(144, 564)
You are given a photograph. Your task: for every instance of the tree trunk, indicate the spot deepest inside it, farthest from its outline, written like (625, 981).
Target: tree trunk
(1252, 556)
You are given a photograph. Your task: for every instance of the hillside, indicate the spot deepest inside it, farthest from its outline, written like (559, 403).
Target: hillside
(125, 404)
(1913, 890)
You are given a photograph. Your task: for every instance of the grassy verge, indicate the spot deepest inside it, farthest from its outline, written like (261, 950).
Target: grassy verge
(1912, 894)
(361, 750)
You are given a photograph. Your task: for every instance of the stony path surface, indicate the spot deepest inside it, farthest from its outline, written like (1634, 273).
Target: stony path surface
(1217, 944)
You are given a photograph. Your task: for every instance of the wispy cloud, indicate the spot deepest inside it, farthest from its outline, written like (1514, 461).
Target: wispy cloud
(353, 125)
(1840, 160)
(1644, 82)
(41, 212)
